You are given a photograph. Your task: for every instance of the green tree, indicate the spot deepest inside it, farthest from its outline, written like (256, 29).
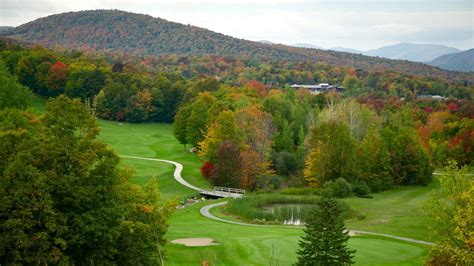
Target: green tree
(84, 81)
(32, 70)
(332, 154)
(374, 160)
(112, 100)
(325, 237)
(224, 129)
(180, 125)
(12, 93)
(452, 209)
(410, 163)
(351, 84)
(63, 197)
(166, 102)
(283, 141)
(198, 119)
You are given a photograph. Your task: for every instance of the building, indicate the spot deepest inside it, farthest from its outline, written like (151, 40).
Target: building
(319, 88)
(431, 97)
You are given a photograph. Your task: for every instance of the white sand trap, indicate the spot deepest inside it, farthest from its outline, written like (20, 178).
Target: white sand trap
(194, 242)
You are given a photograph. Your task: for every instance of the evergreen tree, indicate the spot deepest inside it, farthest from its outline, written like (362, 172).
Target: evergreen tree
(325, 238)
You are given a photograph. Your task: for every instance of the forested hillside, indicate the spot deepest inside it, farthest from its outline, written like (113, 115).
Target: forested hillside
(463, 61)
(265, 120)
(129, 33)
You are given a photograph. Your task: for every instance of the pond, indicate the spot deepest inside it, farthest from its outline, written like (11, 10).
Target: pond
(289, 214)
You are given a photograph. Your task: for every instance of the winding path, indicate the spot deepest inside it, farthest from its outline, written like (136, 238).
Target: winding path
(205, 211)
(177, 170)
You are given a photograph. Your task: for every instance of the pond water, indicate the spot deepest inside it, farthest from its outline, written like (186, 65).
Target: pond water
(289, 214)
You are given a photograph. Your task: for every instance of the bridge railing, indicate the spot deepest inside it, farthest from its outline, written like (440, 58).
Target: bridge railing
(230, 190)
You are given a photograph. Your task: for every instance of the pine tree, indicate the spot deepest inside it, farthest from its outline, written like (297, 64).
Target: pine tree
(325, 238)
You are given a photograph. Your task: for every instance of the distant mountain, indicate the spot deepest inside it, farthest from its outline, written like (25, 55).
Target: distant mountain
(266, 42)
(463, 61)
(5, 28)
(138, 34)
(412, 52)
(347, 50)
(308, 45)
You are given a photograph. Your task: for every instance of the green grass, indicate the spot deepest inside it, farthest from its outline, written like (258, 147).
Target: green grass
(400, 211)
(244, 245)
(154, 141)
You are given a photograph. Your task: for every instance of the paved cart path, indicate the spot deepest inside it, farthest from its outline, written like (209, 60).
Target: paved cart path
(205, 211)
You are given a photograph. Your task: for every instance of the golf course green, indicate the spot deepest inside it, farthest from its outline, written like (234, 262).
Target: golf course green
(398, 212)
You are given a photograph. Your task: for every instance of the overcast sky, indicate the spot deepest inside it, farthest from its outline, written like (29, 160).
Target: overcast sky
(359, 24)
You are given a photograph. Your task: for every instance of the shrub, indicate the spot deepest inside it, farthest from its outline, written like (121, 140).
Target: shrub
(360, 188)
(252, 208)
(339, 188)
(285, 163)
(206, 169)
(299, 191)
(376, 185)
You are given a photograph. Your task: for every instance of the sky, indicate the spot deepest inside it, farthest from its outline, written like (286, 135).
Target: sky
(358, 24)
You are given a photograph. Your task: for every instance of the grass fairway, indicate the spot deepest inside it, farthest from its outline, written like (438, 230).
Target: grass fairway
(400, 211)
(244, 245)
(155, 141)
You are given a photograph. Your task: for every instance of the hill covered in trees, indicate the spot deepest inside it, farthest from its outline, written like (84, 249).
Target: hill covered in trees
(463, 61)
(129, 33)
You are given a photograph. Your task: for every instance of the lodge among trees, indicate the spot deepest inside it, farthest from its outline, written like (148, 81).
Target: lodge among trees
(319, 88)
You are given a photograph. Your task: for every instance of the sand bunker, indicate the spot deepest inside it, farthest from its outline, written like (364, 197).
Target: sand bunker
(194, 242)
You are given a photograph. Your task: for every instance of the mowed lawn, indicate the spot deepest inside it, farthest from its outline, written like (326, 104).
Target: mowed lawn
(153, 140)
(400, 211)
(245, 245)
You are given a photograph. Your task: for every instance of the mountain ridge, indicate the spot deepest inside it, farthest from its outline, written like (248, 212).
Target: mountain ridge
(462, 61)
(141, 34)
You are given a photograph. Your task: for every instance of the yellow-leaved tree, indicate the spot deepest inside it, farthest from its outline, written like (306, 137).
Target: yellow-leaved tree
(452, 210)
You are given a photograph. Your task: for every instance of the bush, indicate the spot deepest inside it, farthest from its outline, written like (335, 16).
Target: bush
(339, 188)
(285, 163)
(206, 169)
(254, 208)
(376, 185)
(299, 191)
(360, 188)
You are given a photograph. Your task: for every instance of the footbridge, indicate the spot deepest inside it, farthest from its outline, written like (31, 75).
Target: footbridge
(222, 192)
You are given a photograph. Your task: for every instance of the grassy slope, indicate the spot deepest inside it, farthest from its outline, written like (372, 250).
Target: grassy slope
(155, 141)
(400, 212)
